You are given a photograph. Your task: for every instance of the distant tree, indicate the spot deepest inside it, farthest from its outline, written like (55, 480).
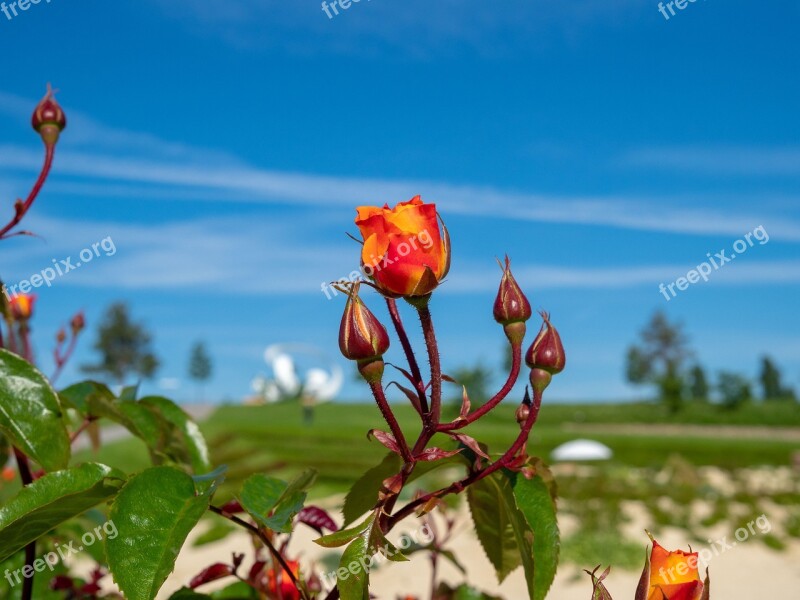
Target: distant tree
(659, 360)
(698, 385)
(124, 347)
(770, 379)
(200, 367)
(734, 389)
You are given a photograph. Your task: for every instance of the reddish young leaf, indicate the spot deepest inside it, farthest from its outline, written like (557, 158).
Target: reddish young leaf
(436, 454)
(470, 443)
(387, 439)
(317, 519)
(209, 574)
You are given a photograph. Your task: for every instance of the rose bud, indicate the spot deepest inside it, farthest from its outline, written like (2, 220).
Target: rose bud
(48, 118)
(361, 336)
(21, 306)
(511, 305)
(524, 408)
(288, 591)
(77, 323)
(670, 575)
(404, 252)
(61, 336)
(547, 352)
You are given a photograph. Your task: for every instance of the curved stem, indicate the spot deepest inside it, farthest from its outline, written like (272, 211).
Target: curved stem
(433, 356)
(501, 462)
(516, 362)
(394, 313)
(391, 420)
(21, 210)
(267, 542)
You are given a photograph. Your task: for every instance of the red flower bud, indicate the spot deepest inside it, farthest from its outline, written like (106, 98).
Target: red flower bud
(61, 336)
(77, 323)
(21, 306)
(511, 305)
(547, 352)
(361, 335)
(48, 118)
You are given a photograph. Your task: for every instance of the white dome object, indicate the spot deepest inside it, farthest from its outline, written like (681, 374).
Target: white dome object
(581, 450)
(285, 374)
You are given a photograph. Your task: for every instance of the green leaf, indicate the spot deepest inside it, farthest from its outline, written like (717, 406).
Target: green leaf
(85, 396)
(129, 393)
(344, 536)
(30, 413)
(502, 529)
(188, 437)
(154, 514)
(53, 499)
(534, 500)
(274, 503)
(5, 450)
(363, 496)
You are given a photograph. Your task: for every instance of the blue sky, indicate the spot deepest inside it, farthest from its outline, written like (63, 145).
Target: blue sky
(224, 145)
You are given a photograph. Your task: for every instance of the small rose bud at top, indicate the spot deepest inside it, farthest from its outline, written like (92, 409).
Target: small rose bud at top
(48, 118)
(511, 305)
(77, 323)
(361, 335)
(547, 352)
(21, 306)
(61, 336)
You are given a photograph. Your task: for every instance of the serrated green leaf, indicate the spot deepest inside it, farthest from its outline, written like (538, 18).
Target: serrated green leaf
(274, 503)
(30, 413)
(188, 436)
(534, 500)
(53, 499)
(344, 536)
(502, 529)
(129, 393)
(363, 495)
(154, 514)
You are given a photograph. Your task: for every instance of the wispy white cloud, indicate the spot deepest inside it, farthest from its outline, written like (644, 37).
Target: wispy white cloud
(205, 177)
(238, 255)
(718, 160)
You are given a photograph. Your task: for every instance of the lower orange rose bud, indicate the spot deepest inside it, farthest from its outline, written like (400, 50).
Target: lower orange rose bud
(288, 591)
(671, 575)
(21, 306)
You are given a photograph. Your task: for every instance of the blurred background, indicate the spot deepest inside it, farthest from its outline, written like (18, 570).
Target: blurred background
(216, 152)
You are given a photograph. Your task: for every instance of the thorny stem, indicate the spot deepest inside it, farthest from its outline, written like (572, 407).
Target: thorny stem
(20, 210)
(501, 462)
(433, 357)
(409, 352)
(516, 362)
(267, 542)
(83, 427)
(391, 420)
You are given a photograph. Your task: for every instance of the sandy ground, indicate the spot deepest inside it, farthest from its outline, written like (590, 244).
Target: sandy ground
(744, 571)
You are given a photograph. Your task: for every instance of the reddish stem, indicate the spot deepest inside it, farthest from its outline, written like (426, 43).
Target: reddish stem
(62, 360)
(391, 420)
(394, 313)
(501, 462)
(20, 213)
(516, 362)
(433, 358)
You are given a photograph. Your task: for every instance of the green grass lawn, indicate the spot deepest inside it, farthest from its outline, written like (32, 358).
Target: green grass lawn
(274, 438)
